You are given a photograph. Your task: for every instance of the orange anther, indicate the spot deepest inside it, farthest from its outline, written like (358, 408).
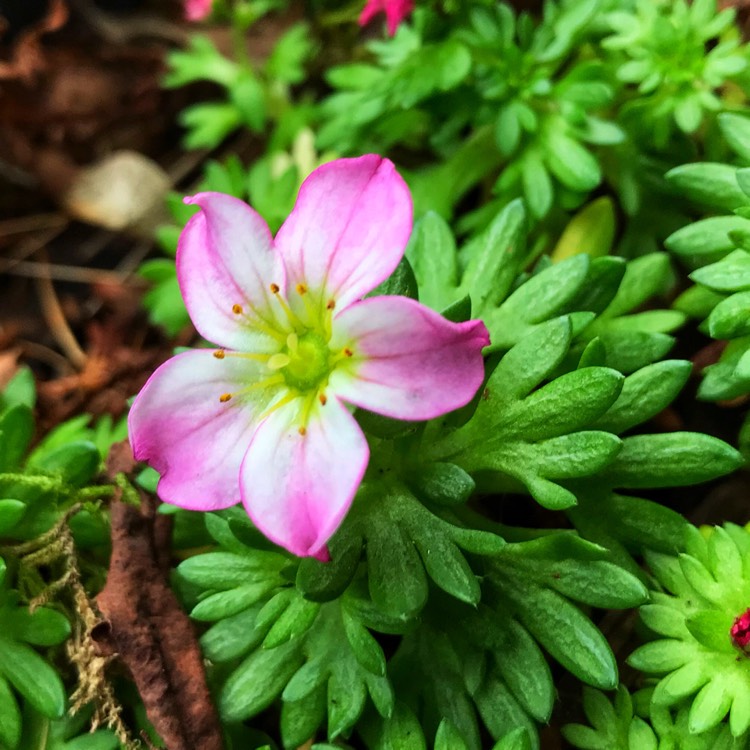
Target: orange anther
(323, 399)
(302, 431)
(225, 397)
(348, 352)
(331, 304)
(237, 309)
(274, 288)
(301, 289)
(219, 354)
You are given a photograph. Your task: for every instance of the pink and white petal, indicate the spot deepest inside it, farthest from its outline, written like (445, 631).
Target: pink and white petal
(408, 361)
(348, 229)
(178, 425)
(297, 488)
(225, 257)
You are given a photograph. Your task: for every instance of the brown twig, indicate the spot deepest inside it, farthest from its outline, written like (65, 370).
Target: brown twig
(55, 317)
(153, 637)
(34, 223)
(69, 273)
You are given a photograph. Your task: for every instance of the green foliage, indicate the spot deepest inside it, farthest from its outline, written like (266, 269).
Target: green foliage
(253, 95)
(702, 591)
(534, 147)
(661, 50)
(717, 247)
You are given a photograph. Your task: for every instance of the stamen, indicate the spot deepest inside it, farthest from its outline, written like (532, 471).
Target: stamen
(323, 399)
(244, 355)
(219, 354)
(292, 342)
(291, 317)
(348, 352)
(281, 402)
(277, 379)
(301, 289)
(302, 431)
(331, 304)
(260, 321)
(279, 360)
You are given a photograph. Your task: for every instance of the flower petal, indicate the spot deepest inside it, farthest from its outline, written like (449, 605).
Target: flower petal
(178, 425)
(225, 258)
(348, 229)
(297, 488)
(409, 361)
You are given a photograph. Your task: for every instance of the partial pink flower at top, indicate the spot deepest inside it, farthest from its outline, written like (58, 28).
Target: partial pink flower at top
(395, 12)
(197, 10)
(265, 418)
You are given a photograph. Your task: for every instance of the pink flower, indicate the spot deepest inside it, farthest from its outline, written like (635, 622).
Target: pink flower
(395, 12)
(197, 10)
(263, 419)
(740, 631)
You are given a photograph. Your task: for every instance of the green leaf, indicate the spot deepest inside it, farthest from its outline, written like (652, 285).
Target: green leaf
(565, 632)
(439, 483)
(710, 627)
(590, 231)
(500, 711)
(233, 636)
(697, 302)
(16, 431)
(201, 61)
(710, 706)
(518, 739)
(225, 570)
(287, 60)
(208, 123)
(10, 717)
(396, 578)
(324, 581)
(731, 317)
(448, 737)
(401, 732)
(645, 394)
(76, 462)
(736, 131)
(540, 298)
(531, 360)
(522, 666)
(731, 274)
(366, 649)
(570, 162)
(645, 277)
(32, 677)
(401, 282)
(710, 184)
(11, 512)
(495, 261)
(707, 240)
(42, 627)
(671, 460)
(300, 719)
(296, 620)
(446, 565)
(537, 185)
(559, 407)
(221, 604)
(258, 681)
(249, 98)
(432, 254)
(19, 390)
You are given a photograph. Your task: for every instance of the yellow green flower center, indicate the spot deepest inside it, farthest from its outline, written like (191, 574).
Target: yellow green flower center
(309, 361)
